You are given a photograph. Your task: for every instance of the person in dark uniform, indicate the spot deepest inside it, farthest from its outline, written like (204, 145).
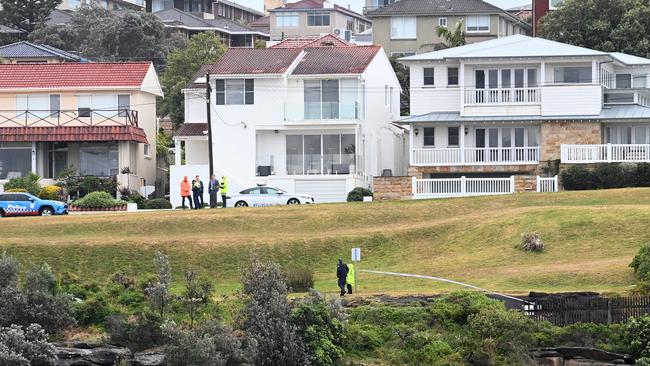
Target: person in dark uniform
(197, 191)
(213, 190)
(342, 275)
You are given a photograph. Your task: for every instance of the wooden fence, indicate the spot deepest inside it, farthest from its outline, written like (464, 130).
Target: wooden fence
(588, 309)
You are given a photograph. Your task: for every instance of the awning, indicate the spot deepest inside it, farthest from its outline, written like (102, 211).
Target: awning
(73, 134)
(192, 129)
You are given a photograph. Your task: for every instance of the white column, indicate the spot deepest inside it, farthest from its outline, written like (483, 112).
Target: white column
(461, 143)
(461, 83)
(542, 74)
(411, 146)
(594, 72)
(177, 151)
(34, 157)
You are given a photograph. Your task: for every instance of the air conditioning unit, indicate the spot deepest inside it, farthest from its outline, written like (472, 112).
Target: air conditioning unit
(343, 33)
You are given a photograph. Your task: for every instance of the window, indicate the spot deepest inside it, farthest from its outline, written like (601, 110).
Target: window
(98, 160)
(532, 78)
(623, 81)
(428, 76)
(452, 136)
(84, 103)
(319, 19)
(429, 136)
(55, 105)
(640, 81)
(103, 105)
(478, 23)
(147, 150)
(442, 22)
(402, 54)
(15, 159)
(403, 27)
(321, 99)
(34, 106)
(579, 74)
(123, 104)
(235, 92)
(286, 19)
(619, 98)
(320, 154)
(452, 76)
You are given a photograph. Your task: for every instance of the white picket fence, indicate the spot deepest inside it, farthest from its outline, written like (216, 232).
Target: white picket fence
(462, 187)
(547, 184)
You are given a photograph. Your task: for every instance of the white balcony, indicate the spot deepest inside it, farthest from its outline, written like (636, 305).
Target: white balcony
(323, 111)
(502, 96)
(605, 153)
(475, 156)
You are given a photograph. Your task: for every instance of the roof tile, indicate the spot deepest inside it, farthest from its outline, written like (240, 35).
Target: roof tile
(336, 60)
(76, 134)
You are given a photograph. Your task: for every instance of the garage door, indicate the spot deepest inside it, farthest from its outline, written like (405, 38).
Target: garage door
(323, 190)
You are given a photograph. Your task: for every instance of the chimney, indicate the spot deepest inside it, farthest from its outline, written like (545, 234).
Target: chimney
(328, 4)
(540, 8)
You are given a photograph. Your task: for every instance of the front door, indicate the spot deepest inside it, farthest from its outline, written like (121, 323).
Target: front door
(480, 144)
(479, 77)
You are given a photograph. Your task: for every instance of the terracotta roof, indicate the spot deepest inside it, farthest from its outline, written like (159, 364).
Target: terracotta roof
(192, 84)
(191, 129)
(336, 60)
(77, 134)
(64, 75)
(328, 40)
(305, 4)
(255, 61)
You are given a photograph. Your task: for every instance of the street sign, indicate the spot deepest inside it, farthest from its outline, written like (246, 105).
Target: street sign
(356, 254)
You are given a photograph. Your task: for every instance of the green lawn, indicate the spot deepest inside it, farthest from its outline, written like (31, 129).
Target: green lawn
(590, 237)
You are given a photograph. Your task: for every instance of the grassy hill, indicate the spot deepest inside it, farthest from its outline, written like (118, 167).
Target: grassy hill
(590, 237)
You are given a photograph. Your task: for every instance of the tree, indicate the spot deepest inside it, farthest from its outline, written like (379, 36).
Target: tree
(604, 25)
(453, 38)
(202, 49)
(26, 14)
(404, 78)
(158, 292)
(25, 347)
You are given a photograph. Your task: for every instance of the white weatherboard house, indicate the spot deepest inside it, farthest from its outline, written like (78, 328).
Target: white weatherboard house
(312, 119)
(502, 112)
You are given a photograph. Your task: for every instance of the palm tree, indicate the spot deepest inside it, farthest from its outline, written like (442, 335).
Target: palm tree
(453, 38)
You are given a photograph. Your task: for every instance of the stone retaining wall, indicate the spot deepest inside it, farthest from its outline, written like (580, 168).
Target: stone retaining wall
(392, 188)
(554, 134)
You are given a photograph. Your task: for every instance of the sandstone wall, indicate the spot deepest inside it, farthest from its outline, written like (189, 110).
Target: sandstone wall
(392, 188)
(554, 134)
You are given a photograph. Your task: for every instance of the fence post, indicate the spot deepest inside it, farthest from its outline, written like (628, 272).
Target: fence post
(556, 185)
(414, 186)
(538, 183)
(512, 184)
(609, 152)
(463, 188)
(609, 311)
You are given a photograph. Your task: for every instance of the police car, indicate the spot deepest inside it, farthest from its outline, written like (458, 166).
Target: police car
(24, 204)
(267, 196)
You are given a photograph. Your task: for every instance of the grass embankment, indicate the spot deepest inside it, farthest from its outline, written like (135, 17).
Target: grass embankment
(590, 238)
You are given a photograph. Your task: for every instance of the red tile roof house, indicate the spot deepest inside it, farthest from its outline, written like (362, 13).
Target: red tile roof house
(96, 117)
(310, 119)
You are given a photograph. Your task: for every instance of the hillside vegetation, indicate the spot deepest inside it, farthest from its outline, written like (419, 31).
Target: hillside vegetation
(590, 238)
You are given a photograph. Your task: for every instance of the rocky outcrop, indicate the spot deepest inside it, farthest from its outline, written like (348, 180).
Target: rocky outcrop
(86, 354)
(578, 356)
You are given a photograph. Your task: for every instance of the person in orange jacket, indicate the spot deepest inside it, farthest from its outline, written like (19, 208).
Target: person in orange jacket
(186, 192)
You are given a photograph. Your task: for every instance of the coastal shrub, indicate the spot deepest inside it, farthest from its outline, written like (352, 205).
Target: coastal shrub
(98, 200)
(457, 307)
(50, 193)
(606, 176)
(357, 194)
(25, 346)
(637, 336)
(300, 279)
(28, 182)
(612, 175)
(531, 242)
(577, 178)
(642, 175)
(641, 263)
(136, 332)
(157, 204)
(90, 183)
(93, 311)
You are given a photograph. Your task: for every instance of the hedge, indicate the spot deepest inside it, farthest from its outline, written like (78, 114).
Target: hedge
(606, 176)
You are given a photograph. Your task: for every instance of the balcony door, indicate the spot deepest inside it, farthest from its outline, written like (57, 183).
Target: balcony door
(479, 137)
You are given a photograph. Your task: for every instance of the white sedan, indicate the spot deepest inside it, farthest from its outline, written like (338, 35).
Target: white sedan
(267, 196)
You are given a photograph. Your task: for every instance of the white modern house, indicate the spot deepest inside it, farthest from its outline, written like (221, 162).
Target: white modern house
(491, 117)
(313, 119)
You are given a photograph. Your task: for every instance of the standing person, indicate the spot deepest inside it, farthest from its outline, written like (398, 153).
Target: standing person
(342, 274)
(349, 279)
(186, 192)
(224, 190)
(197, 190)
(213, 190)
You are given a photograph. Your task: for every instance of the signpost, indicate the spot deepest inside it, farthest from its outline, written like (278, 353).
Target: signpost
(356, 258)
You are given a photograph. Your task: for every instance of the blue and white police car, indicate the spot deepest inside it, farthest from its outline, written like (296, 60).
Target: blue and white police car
(267, 196)
(24, 204)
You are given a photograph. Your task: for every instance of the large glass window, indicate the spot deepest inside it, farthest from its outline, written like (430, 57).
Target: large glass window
(331, 153)
(321, 99)
(286, 19)
(99, 160)
(312, 149)
(235, 92)
(627, 135)
(477, 23)
(574, 74)
(403, 27)
(294, 154)
(320, 154)
(15, 160)
(103, 105)
(123, 104)
(34, 106)
(623, 81)
(318, 19)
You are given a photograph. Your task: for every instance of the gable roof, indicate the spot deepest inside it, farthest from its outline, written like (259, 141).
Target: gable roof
(239, 6)
(328, 40)
(9, 30)
(24, 49)
(59, 17)
(316, 4)
(74, 75)
(336, 60)
(175, 18)
(506, 47)
(237, 61)
(436, 7)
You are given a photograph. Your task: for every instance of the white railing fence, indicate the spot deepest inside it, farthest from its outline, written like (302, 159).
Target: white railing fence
(462, 187)
(607, 79)
(503, 96)
(547, 184)
(605, 153)
(475, 156)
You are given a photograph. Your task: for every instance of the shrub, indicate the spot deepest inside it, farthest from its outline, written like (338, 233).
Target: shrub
(158, 291)
(577, 178)
(300, 279)
(157, 204)
(362, 338)
(531, 242)
(50, 193)
(637, 336)
(642, 175)
(357, 194)
(29, 183)
(98, 200)
(137, 333)
(91, 183)
(457, 307)
(93, 311)
(17, 190)
(641, 263)
(607, 176)
(25, 346)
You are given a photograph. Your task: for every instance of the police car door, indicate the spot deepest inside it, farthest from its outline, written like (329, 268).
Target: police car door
(20, 204)
(275, 197)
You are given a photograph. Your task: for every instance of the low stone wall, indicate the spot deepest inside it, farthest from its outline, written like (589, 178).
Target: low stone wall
(525, 183)
(578, 356)
(392, 188)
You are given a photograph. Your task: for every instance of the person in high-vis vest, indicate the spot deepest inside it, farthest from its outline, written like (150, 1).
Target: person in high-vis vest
(223, 185)
(350, 278)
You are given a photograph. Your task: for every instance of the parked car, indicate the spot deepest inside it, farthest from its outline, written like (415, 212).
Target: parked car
(24, 204)
(267, 196)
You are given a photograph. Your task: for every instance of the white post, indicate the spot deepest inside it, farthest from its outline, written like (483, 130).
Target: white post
(512, 184)
(538, 183)
(542, 75)
(414, 186)
(463, 188)
(461, 143)
(461, 84)
(609, 152)
(34, 157)
(411, 146)
(556, 186)
(177, 151)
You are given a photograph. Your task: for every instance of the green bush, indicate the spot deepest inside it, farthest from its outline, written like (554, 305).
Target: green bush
(457, 307)
(362, 338)
(637, 336)
(50, 193)
(606, 176)
(357, 194)
(136, 333)
(134, 197)
(157, 204)
(642, 175)
(93, 311)
(612, 175)
(98, 200)
(577, 178)
(641, 263)
(29, 183)
(300, 279)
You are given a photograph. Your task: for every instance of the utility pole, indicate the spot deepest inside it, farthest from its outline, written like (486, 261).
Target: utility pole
(208, 92)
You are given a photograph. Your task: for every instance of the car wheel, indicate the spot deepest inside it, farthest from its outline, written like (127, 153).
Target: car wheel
(293, 201)
(2, 213)
(241, 204)
(46, 211)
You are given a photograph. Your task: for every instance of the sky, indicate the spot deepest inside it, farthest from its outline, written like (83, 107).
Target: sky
(357, 5)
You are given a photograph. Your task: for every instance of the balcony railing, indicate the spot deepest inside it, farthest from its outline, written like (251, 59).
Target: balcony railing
(321, 111)
(462, 187)
(68, 118)
(605, 153)
(503, 96)
(475, 156)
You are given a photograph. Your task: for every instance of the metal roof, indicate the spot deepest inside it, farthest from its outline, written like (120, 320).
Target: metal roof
(615, 113)
(8, 30)
(629, 60)
(175, 18)
(436, 7)
(30, 50)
